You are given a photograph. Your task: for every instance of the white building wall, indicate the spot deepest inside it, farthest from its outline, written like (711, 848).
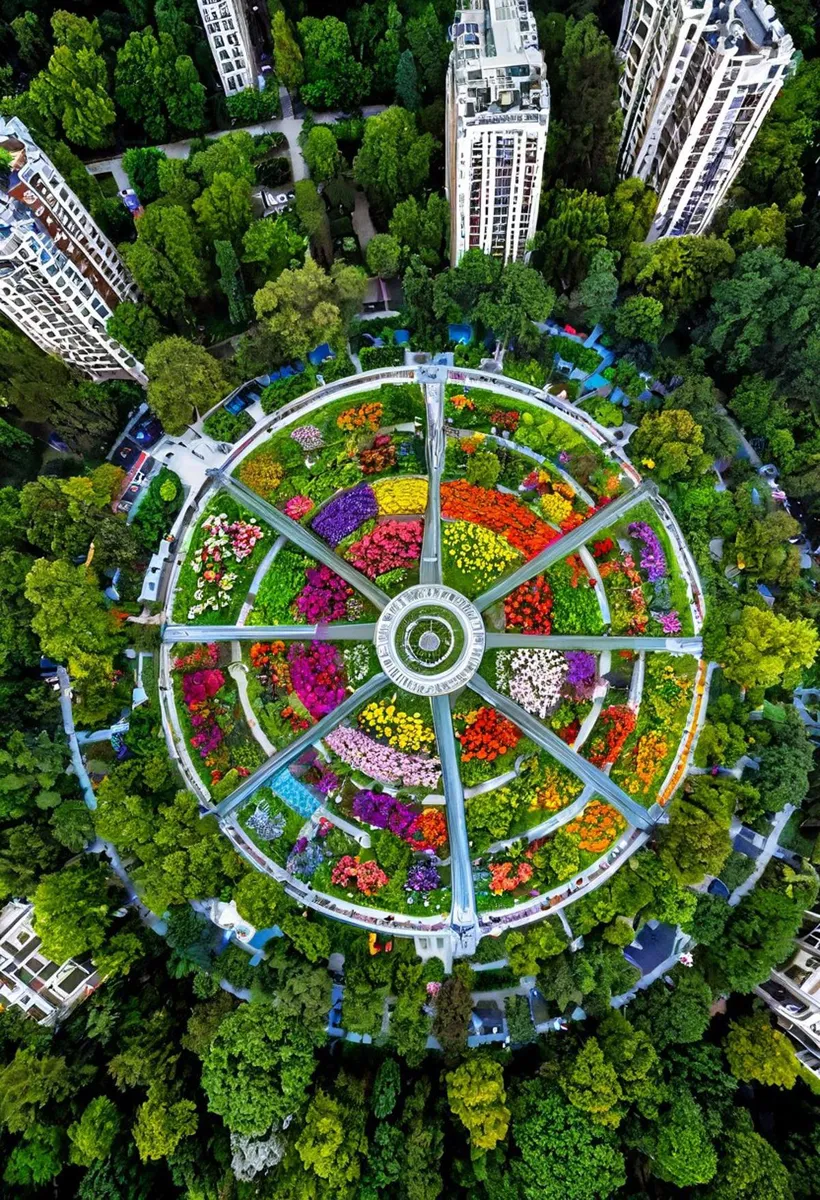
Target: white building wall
(696, 86)
(226, 28)
(793, 994)
(40, 988)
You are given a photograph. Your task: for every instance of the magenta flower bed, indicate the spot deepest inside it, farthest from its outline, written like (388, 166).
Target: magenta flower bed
(653, 559)
(391, 545)
(344, 514)
(383, 811)
(324, 596)
(382, 762)
(318, 677)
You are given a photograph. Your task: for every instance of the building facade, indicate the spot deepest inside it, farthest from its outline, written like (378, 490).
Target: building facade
(29, 981)
(793, 994)
(60, 276)
(226, 27)
(498, 107)
(698, 79)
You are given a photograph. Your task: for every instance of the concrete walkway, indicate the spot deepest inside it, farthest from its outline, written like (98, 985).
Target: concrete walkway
(363, 225)
(463, 915)
(765, 856)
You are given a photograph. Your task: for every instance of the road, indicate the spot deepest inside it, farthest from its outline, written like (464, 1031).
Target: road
(595, 645)
(430, 566)
(302, 538)
(290, 126)
(568, 544)
(463, 915)
(286, 756)
(635, 813)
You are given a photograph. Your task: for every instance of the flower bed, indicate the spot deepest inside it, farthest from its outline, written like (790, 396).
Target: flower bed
(343, 515)
(422, 830)
(391, 546)
(400, 496)
(575, 604)
(225, 550)
(317, 675)
(281, 713)
(613, 727)
(472, 557)
(529, 606)
(325, 596)
(382, 763)
(486, 735)
(541, 789)
(533, 678)
(497, 511)
(271, 824)
(664, 709)
(404, 731)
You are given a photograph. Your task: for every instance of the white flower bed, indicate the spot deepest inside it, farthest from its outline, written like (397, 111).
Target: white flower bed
(533, 678)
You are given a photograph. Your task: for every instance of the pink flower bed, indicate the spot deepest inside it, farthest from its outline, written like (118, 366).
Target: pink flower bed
(324, 596)
(318, 677)
(382, 762)
(391, 545)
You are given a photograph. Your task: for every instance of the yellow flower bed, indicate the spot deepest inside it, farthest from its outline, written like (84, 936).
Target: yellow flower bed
(399, 496)
(555, 508)
(477, 551)
(649, 753)
(405, 731)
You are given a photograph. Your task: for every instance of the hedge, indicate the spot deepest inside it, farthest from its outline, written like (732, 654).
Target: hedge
(226, 426)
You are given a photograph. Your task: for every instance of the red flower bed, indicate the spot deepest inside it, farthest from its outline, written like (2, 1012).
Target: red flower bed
(529, 606)
(488, 735)
(612, 729)
(499, 512)
(390, 545)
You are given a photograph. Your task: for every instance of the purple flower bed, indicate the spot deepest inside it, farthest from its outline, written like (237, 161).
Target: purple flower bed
(324, 596)
(308, 437)
(423, 877)
(318, 677)
(382, 762)
(383, 811)
(345, 513)
(580, 678)
(653, 559)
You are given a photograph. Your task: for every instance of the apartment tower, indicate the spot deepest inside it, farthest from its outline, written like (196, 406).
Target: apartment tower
(226, 27)
(698, 79)
(498, 108)
(793, 994)
(60, 277)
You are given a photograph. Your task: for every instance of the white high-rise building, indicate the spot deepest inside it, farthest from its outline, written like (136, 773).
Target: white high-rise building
(226, 27)
(698, 80)
(40, 988)
(793, 994)
(498, 110)
(60, 276)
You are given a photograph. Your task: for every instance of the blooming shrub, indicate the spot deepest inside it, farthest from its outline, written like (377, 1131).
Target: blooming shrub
(273, 675)
(669, 622)
(318, 676)
(597, 827)
(555, 508)
(477, 552)
(405, 731)
(507, 419)
(389, 547)
(305, 857)
(612, 728)
(365, 417)
(224, 542)
(384, 763)
(529, 606)
(461, 402)
(487, 735)
(554, 791)
(580, 680)
(429, 830)
(199, 691)
(503, 514)
(308, 438)
(533, 678)
(324, 596)
(505, 877)
(381, 456)
(262, 473)
(653, 559)
(368, 876)
(422, 877)
(424, 831)
(395, 496)
(345, 513)
(625, 592)
(357, 662)
(298, 507)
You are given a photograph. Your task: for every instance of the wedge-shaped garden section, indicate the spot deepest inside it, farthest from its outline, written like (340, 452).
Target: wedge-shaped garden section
(539, 792)
(226, 548)
(296, 590)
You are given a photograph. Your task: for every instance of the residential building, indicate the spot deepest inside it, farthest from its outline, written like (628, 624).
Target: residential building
(226, 27)
(60, 276)
(43, 990)
(793, 993)
(698, 79)
(497, 117)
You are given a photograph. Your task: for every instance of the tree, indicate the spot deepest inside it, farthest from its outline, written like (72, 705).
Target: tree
(232, 154)
(224, 209)
(272, 245)
(521, 298)
(155, 85)
(427, 43)
(313, 219)
(162, 1123)
(758, 1052)
(92, 1136)
(750, 228)
(135, 326)
(287, 57)
(386, 58)
(179, 373)
(394, 159)
(332, 1139)
(748, 1166)
(230, 282)
(422, 229)
(407, 82)
(640, 319)
(696, 841)
(674, 1016)
(321, 151)
(333, 78)
(590, 112)
(476, 1095)
(37, 1157)
(575, 229)
(562, 1154)
(454, 1005)
(166, 259)
(300, 309)
(31, 1081)
(261, 900)
(670, 444)
(382, 256)
(73, 89)
(631, 209)
(762, 649)
(386, 1088)
(32, 47)
(598, 291)
(72, 910)
(591, 1084)
(785, 763)
(257, 1068)
(679, 272)
(631, 1053)
(678, 1147)
(527, 949)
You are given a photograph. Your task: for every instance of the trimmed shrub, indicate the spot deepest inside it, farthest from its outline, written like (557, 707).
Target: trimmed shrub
(226, 426)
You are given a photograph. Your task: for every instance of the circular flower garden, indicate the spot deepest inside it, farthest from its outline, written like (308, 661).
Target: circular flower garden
(433, 653)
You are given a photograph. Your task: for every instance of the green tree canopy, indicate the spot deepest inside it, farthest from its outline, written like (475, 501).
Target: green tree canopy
(73, 90)
(756, 1051)
(476, 1095)
(333, 78)
(181, 375)
(670, 444)
(321, 151)
(394, 159)
(72, 910)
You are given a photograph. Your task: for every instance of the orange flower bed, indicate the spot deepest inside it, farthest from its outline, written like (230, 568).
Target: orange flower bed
(504, 877)
(613, 727)
(496, 511)
(488, 735)
(597, 827)
(367, 416)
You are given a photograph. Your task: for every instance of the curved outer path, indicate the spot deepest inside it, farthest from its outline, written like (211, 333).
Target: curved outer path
(568, 544)
(464, 919)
